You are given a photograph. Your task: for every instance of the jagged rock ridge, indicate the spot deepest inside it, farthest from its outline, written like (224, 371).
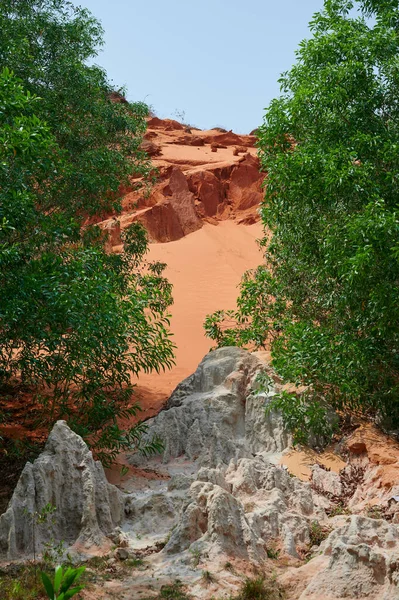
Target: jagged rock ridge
(203, 176)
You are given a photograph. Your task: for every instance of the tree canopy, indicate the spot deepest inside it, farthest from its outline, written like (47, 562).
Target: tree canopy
(327, 299)
(75, 322)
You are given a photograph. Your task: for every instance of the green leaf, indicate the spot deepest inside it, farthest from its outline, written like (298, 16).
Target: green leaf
(48, 585)
(72, 592)
(58, 578)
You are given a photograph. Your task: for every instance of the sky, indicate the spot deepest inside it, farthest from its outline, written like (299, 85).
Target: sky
(210, 63)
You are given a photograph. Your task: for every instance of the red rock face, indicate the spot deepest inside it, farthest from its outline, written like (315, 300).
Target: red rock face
(166, 124)
(182, 201)
(174, 215)
(151, 148)
(209, 192)
(230, 139)
(245, 189)
(203, 176)
(162, 222)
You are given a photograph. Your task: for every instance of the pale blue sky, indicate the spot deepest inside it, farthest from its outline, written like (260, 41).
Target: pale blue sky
(216, 60)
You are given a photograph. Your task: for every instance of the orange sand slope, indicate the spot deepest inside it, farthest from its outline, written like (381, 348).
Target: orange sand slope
(205, 269)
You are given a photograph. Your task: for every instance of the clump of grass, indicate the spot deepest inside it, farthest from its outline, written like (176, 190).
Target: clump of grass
(208, 577)
(338, 509)
(229, 567)
(134, 562)
(318, 533)
(257, 588)
(98, 563)
(272, 553)
(260, 588)
(24, 585)
(196, 553)
(102, 568)
(173, 591)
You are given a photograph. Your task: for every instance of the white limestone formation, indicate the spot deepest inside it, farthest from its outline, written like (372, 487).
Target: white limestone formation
(65, 475)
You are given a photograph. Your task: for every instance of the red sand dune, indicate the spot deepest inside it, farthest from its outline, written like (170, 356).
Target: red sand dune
(205, 269)
(203, 221)
(202, 218)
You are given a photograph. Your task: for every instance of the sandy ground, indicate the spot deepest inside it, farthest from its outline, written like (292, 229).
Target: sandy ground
(197, 156)
(300, 461)
(205, 269)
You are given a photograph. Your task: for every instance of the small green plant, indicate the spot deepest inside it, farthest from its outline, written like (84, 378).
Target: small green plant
(260, 588)
(61, 587)
(253, 589)
(338, 509)
(208, 577)
(196, 553)
(173, 591)
(168, 536)
(272, 553)
(55, 552)
(317, 533)
(43, 517)
(97, 564)
(229, 566)
(124, 470)
(134, 562)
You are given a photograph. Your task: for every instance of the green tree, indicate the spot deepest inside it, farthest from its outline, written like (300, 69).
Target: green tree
(75, 322)
(48, 45)
(327, 299)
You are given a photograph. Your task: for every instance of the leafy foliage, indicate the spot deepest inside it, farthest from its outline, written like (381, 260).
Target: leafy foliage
(61, 587)
(48, 44)
(306, 416)
(328, 298)
(75, 322)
